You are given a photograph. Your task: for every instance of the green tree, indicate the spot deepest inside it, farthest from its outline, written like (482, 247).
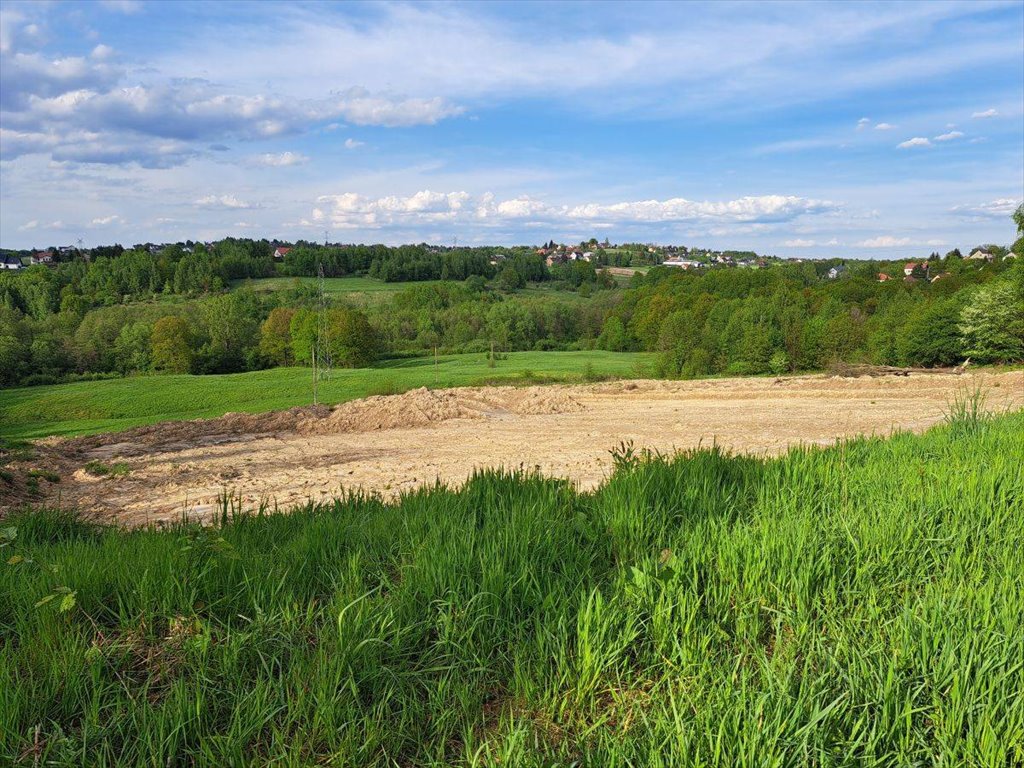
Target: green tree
(992, 323)
(510, 280)
(613, 336)
(171, 345)
(276, 337)
(133, 348)
(354, 343)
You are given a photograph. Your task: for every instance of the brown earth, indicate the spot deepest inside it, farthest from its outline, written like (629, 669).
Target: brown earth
(396, 443)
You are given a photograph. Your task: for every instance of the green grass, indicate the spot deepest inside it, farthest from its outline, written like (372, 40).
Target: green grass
(103, 406)
(334, 286)
(860, 605)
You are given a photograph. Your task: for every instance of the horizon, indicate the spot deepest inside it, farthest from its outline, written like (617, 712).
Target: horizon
(869, 131)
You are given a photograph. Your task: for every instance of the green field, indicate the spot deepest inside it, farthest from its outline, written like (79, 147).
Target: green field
(861, 605)
(102, 406)
(367, 288)
(333, 286)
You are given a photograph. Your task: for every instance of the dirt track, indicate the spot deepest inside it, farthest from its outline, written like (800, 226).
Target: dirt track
(391, 444)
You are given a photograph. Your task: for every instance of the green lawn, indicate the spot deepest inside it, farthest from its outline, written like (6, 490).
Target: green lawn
(104, 406)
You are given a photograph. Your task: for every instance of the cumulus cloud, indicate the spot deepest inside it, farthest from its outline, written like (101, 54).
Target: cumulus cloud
(222, 201)
(917, 141)
(359, 106)
(995, 209)
(105, 221)
(888, 241)
(51, 100)
(801, 242)
(884, 241)
(28, 226)
(353, 144)
(353, 210)
(280, 160)
(863, 123)
(884, 127)
(949, 136)
(986, 113)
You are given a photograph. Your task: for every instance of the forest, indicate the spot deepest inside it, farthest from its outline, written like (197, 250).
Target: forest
(175, 310)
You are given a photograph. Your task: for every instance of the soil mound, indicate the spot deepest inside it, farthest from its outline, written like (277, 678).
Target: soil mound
(423, 407)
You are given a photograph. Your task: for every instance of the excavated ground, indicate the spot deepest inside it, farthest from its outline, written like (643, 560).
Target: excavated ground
(393, 444)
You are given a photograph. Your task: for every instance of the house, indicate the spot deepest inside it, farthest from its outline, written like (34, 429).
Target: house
(587, 255)
(10, 262)
(684, 263)
(836, 271)
(882, 277)
(980, 254)
(42, 257)
(910, 266)
(281, 252)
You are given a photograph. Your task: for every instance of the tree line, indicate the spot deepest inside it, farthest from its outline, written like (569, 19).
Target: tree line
(788, 319)
(127, 312)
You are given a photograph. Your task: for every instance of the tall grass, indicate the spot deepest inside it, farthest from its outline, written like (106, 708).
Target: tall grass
(859, 605)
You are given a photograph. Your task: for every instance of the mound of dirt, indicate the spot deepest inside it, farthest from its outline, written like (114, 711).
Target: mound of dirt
(416, 408)
(423, 407)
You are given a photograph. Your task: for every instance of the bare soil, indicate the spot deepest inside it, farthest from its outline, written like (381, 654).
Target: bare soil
(392, 444)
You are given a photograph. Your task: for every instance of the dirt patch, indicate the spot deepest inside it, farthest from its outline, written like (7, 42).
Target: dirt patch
(396, 443)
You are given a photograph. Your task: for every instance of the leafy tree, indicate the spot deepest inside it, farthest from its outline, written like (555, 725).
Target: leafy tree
(992, 323)
(613, 336)
(171, 345)
(509, 279)
(354, 343)
(276, 337)
(133, 348)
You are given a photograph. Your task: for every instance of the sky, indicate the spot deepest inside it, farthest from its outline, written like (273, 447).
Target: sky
(858, 130)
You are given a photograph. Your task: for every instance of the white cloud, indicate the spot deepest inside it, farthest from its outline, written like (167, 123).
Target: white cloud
(105, 221)
(884, 241)
(801, 242)
(863, 123)
(949, 136)
(359, 106)
(353, 144)
(280, 160)
(353, 210)
(102, 52)
(917, 141)
(995, 209)
(222, 201)
(884, 127)
(28, 226)
(986, 113)
(888, 241)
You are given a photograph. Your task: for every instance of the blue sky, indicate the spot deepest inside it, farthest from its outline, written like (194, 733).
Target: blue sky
(797, 129)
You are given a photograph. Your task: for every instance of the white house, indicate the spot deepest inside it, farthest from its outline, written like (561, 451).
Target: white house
(10, 262)
(979, 254)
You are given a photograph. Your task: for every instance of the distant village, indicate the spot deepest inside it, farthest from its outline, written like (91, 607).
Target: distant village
(604, 254)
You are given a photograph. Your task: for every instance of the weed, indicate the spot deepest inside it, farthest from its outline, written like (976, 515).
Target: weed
(101, 469)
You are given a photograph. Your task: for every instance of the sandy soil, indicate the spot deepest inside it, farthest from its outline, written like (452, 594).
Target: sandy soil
(391, 444)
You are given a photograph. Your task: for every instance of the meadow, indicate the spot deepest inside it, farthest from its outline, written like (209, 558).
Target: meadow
(89, 407)
(860, 605)
(333, 286)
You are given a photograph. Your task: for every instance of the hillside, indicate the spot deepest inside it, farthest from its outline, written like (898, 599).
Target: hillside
(839, 606)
